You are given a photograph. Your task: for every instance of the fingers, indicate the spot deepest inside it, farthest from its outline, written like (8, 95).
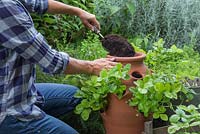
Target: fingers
(89, 21)
(95, 23)
(108, 63)
(88, 25)
(110, 59)
(107, 67)
(103, 63)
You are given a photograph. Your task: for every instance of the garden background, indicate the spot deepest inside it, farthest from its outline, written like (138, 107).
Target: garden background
(142, 22)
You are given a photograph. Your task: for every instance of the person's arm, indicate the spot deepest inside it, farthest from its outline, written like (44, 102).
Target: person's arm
(56, 7)
(76, 66)
(27, 42)
(88, 19)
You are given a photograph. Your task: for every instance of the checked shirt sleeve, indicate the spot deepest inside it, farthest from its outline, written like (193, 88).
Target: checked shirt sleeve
(38, 6)
(18, 33)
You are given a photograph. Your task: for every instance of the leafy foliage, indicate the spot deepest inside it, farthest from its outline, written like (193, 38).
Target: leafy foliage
(155, 92)
(114, 15)
(173, 20)
(184, 119)
(90, 48)
(95, 90)
(170, 66)
(59, 30)
(181, 62)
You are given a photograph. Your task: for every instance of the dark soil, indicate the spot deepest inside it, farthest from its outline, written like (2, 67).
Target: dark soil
(117, 46)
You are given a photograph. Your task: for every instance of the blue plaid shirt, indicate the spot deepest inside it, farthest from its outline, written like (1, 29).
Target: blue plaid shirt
(21, 48)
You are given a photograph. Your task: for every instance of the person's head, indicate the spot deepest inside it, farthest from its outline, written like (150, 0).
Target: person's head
(117, 46)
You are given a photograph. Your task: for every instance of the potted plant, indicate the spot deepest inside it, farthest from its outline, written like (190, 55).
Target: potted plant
(129, 83)
(95, 90)
(110, 89)
(183, 64)
(154, 94)
(151, 95)
(106, 93)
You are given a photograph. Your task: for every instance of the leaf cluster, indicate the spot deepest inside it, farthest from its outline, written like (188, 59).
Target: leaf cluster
(90, 48)
(181, 62)
(96, 89)
(174, 20)
(59, 30)
(155, 92)
(114, 14)
(184, 119)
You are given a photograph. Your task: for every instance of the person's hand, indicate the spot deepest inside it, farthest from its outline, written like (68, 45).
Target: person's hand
(103, 63)
(94, 67)
(89, 20)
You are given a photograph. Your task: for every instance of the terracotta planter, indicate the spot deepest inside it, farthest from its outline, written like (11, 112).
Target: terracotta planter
(119, 117)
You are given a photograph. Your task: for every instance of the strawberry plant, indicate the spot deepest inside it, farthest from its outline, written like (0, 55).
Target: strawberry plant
(95, 90)
(154, 93)
(184, 119)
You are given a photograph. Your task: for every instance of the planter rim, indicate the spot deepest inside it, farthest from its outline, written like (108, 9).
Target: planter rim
(139, 56)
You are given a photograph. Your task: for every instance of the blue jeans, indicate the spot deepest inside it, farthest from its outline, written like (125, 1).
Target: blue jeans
(58, 101)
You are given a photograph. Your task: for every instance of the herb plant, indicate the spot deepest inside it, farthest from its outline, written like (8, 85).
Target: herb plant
(91, 48)
(155, 92)
(181, 62)
(184, 119)
(95, 90)
(177, 21)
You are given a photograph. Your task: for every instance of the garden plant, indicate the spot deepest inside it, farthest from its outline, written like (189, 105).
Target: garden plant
(153, 94)
(166, 31)
(185, 120)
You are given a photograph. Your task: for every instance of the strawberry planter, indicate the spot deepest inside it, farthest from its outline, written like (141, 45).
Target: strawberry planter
(119, 117)
(128, 94)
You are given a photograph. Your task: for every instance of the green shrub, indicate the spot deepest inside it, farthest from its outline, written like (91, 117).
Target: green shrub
(59, 30)
(185, 119)
(182, 62)
(176, 21)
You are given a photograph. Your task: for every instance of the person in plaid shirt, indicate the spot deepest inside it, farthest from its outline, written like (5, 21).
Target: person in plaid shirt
(27, 107)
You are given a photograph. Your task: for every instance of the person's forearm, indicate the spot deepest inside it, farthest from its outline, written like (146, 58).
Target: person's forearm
(76, 66)
(56, 7)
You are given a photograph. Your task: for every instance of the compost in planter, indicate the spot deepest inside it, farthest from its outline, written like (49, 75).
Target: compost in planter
(117, 46)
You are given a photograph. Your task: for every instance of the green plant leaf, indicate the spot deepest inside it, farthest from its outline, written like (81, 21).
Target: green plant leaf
(103, 73)
(133, 102)
(131, 7)
(169, 95)
(85, 114)
(164, 117)
(49, 20)
(142, 90)
(78, 109)
(173, 129)
(180, 112)
(174, 118)
(96, 96)
(114, 9)
(159, 86)
(156, 115)
(196, 123)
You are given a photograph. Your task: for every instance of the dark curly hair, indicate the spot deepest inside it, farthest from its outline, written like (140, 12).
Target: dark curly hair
(117, 46)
